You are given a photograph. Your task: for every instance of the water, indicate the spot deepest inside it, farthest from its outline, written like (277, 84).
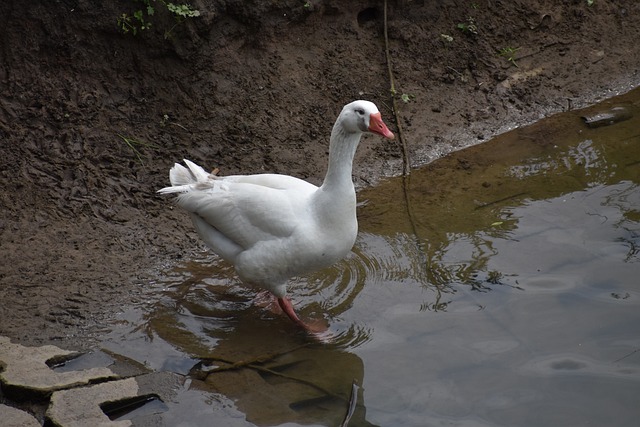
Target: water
(496, 287)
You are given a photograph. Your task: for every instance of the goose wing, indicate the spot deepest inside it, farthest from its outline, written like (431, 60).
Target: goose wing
(251, 209)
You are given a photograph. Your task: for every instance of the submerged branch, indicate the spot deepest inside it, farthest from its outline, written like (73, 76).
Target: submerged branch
(353, 403)
(232, 365)
(495, 202)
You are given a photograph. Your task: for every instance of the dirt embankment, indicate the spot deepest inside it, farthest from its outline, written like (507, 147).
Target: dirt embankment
(91, 119)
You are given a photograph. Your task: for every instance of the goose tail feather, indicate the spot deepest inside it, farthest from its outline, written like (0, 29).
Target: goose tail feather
(183, 179)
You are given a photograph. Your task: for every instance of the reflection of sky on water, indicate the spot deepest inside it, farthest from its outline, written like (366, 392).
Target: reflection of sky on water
(559, 331)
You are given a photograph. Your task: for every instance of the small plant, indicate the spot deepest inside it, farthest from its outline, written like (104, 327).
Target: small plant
(166, 120)
(590, 2)
(182, 10)
(446, 38)
(510, 54)
(468, 27)
(133, 144)
(139, 20)
(134, 23)
(180, 13)
(405, 97)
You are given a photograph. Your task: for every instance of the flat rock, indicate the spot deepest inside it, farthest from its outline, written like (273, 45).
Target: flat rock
(13, 417)
(81, 407)
(24, 370)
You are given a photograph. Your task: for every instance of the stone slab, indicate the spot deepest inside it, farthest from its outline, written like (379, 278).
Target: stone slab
(81, 407)
(24, 370)
(13, 417)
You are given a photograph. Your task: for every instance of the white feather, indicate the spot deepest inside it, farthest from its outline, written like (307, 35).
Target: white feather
(272, 227)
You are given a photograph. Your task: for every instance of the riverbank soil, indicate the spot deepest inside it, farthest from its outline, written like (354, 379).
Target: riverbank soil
(91, 119)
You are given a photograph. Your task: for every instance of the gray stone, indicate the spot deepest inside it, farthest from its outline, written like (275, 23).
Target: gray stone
(83, 406)
(13, 417)
(24, 370)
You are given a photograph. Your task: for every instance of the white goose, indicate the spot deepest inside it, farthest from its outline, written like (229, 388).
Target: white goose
(273, 227)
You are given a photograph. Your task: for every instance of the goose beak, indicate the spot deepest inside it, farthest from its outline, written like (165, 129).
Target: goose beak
(376, 125)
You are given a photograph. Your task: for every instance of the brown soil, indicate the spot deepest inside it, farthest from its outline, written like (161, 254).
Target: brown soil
(249, 86)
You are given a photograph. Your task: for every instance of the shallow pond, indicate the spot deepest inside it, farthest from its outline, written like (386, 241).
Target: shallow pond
(498, 286)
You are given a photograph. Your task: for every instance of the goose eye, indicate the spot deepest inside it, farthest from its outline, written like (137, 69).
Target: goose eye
(360, 111)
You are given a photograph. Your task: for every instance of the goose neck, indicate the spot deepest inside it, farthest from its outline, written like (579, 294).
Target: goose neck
(342, 149)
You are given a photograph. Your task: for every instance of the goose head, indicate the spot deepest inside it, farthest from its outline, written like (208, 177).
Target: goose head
(363, 116)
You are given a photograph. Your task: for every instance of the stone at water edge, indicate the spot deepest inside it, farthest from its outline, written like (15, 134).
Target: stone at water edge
(25, 370)
(13, 417)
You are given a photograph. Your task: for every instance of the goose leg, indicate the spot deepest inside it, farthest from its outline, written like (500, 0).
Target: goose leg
(286, 306)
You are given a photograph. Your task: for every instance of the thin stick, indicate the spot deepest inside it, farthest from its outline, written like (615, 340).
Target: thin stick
(245, 363)
(300, 380)
(504, 199)
(352, 404)
(252, 364)
(406, 161)
(624, 357)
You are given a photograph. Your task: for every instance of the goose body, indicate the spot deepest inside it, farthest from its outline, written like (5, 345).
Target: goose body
(273, 227)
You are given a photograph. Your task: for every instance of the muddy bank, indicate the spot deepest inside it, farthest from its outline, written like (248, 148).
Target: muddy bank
(91, 119)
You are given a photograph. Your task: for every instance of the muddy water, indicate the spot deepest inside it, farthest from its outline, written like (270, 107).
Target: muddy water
(499, 286)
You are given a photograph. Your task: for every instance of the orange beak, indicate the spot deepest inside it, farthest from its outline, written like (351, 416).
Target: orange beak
(376, 125)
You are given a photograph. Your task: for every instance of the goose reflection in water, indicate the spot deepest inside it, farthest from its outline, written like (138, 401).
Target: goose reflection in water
(272, 377)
